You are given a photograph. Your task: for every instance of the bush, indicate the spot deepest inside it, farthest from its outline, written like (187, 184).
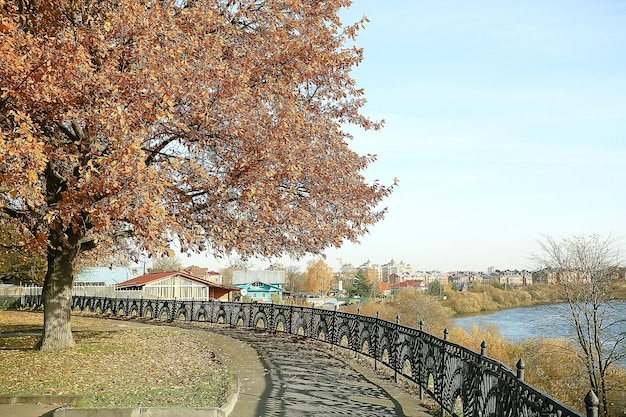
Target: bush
(9, 303)
(413, 306)
(464, 303)
(489, 298)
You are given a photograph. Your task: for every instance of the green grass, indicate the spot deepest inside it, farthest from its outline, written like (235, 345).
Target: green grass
(142, 366)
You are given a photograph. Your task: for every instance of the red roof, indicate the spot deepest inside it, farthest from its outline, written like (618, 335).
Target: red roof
(383, 286)
(151, 277)
(416, 283)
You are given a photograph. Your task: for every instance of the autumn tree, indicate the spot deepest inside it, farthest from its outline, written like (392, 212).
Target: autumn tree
(588, 274)
(19, 264)
(318, 277)
(414, 306)
(210, 125)
(372, 276)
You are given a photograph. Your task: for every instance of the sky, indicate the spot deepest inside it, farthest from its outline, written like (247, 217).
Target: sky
(504, 122)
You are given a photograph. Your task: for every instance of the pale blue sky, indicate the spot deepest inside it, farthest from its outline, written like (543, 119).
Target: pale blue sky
(504, 121)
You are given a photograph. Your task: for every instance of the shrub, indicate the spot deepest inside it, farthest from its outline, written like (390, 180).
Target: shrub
(551, 365)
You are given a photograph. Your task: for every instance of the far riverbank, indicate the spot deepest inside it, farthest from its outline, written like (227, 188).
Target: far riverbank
(487, 298)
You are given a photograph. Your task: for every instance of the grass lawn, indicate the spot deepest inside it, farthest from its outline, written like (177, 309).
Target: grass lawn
(114, 364)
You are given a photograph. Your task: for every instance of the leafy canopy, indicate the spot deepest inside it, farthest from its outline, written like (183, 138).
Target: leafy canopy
(217, 125)
(318, 277)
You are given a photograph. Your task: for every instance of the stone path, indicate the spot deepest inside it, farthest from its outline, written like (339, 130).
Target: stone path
(304, 379)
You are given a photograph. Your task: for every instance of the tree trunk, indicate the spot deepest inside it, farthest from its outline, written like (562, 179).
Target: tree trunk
(57, 299)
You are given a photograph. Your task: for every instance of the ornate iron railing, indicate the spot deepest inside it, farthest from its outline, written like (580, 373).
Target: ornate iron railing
(448, 372)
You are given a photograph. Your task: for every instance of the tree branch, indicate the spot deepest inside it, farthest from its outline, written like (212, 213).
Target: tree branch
(93, 243)
(15, 214)
(156, 151)
(67, 132)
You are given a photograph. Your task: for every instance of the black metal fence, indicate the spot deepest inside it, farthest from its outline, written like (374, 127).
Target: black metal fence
(451, 374)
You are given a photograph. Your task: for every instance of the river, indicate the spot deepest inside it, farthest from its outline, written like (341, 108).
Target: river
(535, 322)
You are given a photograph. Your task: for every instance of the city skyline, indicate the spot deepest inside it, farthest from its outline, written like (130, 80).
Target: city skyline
(503, 123)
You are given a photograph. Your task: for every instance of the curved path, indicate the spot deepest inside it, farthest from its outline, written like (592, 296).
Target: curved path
(303, 378)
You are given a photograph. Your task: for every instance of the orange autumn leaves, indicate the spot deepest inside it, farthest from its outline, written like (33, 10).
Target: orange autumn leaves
(218, 125)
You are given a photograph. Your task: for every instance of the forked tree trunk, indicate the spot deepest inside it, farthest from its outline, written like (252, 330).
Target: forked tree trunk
(57, 299)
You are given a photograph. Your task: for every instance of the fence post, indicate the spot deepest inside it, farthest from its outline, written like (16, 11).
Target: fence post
(446, 332)
(358, 313)
(592, 402)
(521, 366)
(395, 368)
(333, 337)
(375, 338)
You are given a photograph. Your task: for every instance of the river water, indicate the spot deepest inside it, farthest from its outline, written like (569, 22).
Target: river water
(536, 322)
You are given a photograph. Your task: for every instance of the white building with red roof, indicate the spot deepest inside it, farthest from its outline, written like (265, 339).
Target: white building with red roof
(176, 284)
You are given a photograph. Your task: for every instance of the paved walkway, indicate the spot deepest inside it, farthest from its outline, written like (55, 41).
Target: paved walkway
(284, 375)
(304, 378)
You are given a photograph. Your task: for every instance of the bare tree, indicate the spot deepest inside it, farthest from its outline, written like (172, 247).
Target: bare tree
(166, 264)
(587, 272)
(234, 264)
(294, 279)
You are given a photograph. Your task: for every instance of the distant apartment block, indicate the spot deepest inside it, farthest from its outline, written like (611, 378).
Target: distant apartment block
(369, 266)
(204, 273)
(515, 278)
(431, 276)
(397, 268)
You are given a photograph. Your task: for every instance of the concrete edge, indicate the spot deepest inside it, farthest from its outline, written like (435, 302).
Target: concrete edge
(39, 399)
(137, 412)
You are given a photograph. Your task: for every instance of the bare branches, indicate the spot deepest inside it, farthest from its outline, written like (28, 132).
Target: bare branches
(587, 269)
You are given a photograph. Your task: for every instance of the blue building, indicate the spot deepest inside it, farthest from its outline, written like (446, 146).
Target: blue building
(262, 286)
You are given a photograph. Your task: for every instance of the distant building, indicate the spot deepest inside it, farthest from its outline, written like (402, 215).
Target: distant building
(197, 271)
(264, 286)
(258, 291)
(204, 273)
(431, 276)
(376, 269)
(395, 268)
(384, 290)
(410, 283)
(515, 278)
(176, 284)
(343, 279)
